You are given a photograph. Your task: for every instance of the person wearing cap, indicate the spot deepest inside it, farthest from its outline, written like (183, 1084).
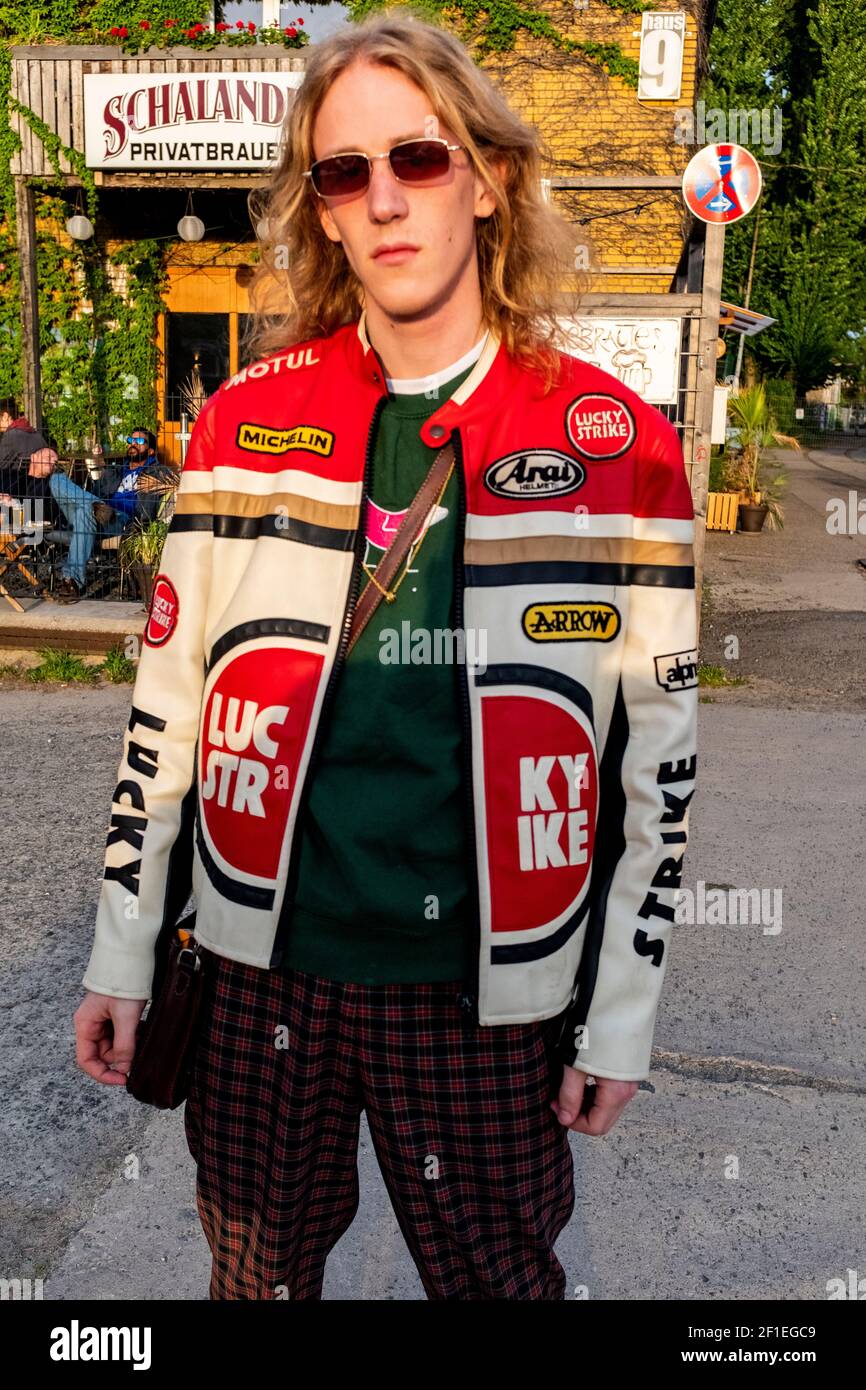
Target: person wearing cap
(84, 511)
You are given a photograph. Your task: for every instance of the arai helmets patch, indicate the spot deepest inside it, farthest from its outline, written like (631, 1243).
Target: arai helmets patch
(534, 473)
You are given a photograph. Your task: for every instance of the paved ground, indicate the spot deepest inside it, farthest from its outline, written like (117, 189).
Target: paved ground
(737, 1170)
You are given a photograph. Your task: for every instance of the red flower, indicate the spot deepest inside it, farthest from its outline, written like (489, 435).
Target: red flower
(123, 32)
(221, 28)
(145, 24)
(251, 27)
(170, 23)
(291, 31)
(115, 32)
(299, 21)
(240, 24)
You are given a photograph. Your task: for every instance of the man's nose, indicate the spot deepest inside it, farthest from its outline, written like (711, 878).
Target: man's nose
(386, 197)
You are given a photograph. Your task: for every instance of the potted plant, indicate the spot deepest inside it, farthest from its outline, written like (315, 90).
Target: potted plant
(140, 552)
(760, 494)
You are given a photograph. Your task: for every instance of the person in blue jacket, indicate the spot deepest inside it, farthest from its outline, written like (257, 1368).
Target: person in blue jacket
(84, 511)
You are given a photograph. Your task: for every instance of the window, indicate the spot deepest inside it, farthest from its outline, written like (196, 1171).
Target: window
(195, 341)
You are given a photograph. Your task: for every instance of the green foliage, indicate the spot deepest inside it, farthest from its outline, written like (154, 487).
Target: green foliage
(143, 544)
(780, 402)
(808, 58)
(10, 294)
(489, 27)
(717, 675)
(721, 478)
(117, 667)
(62, 666)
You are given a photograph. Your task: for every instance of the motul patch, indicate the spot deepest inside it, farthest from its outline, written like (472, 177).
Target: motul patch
(600, 427)
(163, 614)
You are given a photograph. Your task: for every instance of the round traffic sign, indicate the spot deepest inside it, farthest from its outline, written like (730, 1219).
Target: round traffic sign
(722, 183)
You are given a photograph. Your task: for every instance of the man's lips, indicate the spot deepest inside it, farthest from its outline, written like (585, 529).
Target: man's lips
(395, 254)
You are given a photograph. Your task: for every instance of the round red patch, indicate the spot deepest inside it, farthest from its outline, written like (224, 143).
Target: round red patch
(600, 427)
(163, 614)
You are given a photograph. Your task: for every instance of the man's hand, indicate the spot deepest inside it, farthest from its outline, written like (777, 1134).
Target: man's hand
(591, 1109)
(105, 1036)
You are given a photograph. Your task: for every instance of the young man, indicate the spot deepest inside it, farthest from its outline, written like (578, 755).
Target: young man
(85, 511)
(440, 893)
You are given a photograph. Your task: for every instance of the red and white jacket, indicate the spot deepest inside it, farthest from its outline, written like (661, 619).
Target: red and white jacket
(575, 560)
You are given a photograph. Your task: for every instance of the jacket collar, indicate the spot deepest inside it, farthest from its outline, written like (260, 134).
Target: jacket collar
(438, 426)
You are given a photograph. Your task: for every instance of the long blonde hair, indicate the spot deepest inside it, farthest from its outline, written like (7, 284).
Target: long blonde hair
(525, 247)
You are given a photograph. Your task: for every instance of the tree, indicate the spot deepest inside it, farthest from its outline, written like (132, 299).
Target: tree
(809, 58)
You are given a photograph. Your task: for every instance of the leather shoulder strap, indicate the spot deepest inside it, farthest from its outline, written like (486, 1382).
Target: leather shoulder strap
(389, 566)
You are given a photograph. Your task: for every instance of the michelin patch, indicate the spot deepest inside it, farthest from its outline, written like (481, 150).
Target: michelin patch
(600, 427)
(677, 670)
(571, 622)
(534, 473)
(271, 439)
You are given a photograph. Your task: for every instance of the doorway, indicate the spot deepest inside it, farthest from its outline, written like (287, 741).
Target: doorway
(201, 337)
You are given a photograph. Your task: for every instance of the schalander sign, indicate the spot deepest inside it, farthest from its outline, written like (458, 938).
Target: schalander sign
(209, 120)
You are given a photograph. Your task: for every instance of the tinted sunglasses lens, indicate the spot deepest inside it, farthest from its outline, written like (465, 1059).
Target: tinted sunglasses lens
(342, 173)
(416, 161)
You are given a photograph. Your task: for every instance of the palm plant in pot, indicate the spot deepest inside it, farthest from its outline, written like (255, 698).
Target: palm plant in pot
(756, 430)
(140, 552)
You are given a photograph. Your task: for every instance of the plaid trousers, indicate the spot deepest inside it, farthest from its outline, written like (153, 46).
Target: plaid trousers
(477, 1166)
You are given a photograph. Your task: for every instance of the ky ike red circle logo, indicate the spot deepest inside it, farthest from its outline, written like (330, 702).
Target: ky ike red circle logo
(164, 608)
(600, 427)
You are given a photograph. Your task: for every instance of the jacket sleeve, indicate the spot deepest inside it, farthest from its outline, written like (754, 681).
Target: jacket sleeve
(148, 856)
(646, 782)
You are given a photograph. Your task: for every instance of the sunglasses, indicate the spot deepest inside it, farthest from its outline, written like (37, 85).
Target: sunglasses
(412, 162)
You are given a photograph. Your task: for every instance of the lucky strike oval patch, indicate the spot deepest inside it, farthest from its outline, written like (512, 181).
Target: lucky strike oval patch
(534, 473)
(163, 614)
(600, 427)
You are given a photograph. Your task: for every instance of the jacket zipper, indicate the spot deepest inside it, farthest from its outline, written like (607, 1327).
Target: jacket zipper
(327, 702)
(468, 1000)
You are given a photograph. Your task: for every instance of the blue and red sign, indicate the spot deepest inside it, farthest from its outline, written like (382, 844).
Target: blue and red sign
(722, 183)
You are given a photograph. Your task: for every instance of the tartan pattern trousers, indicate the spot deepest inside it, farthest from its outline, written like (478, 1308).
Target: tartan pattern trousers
(477, 1166)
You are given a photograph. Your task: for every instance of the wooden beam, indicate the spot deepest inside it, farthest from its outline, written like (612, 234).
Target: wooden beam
(25, 218)
(614, 181)
(48, 53)
(672, 303)
(154, 180)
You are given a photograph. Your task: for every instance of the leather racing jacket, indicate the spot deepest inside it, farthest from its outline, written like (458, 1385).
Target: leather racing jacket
(574, 558)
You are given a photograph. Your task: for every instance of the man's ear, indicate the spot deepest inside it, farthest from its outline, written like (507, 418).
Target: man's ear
(329, 226)
(485, 202)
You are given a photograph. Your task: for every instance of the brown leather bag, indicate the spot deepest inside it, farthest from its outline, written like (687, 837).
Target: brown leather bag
(166, 1036)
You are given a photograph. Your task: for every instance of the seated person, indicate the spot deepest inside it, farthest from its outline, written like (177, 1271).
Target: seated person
(113, 506)
(26, 463)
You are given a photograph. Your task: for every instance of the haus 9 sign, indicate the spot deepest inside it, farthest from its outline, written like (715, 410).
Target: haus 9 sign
(210, 120)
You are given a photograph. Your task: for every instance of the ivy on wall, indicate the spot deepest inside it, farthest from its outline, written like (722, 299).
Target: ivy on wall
(493, 26)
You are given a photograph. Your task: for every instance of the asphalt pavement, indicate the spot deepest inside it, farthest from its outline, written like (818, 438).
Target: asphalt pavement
(736, 1172)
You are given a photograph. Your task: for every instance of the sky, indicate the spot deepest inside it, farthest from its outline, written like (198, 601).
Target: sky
(319, 20)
